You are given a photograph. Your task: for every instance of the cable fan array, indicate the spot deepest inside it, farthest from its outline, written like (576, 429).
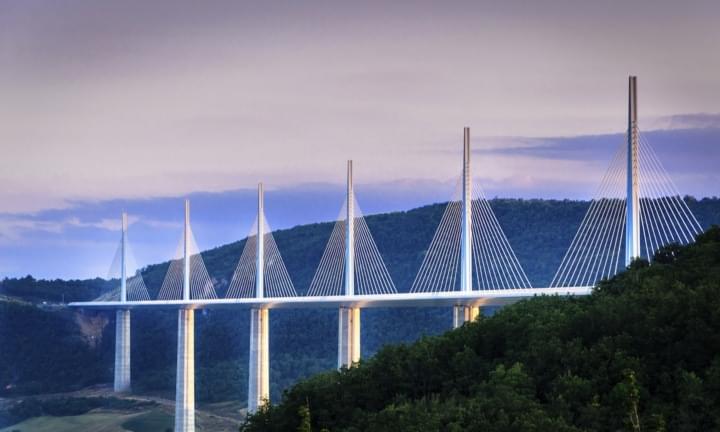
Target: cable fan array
(277, 282)
(201, 285)
(135, 285)
(596, 249)
(371, 275)
(495, 265)
(594, 253)
(665, 218)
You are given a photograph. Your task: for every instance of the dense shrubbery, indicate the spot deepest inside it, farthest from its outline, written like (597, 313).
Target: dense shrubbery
(641, 353)
(44, 351)
(53, 291)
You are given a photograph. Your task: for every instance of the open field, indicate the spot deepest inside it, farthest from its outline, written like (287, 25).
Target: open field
(219, 417)
(96, 421)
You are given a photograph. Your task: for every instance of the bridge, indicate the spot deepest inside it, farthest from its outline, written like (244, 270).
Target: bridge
(468, 264)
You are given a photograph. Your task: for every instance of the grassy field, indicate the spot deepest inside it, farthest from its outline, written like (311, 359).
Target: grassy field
(157, 417)
(149, 421)
(102, 421)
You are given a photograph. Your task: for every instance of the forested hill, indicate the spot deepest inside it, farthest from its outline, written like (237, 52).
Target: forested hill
(71, 349)
(641, 353)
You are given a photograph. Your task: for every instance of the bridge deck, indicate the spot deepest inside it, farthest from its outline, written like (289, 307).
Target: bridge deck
(453, 298)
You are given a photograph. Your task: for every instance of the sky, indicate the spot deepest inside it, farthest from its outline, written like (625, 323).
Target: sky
(136, 105)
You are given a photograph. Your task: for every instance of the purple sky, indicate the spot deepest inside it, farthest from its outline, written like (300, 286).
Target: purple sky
(136, 104)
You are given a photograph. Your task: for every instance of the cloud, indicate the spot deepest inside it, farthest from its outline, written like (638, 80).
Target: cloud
(686, 121)
(579, 148)
(156, 99)
(12, 229)
(105, 223)
(685, 150)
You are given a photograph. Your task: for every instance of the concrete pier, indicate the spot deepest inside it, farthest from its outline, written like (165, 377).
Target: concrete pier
(463, 314)
(259, 368)
(348, 337)
(185, 380)
(122, 351)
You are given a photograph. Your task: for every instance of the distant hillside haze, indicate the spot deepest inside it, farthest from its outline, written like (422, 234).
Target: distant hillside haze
(302, 341)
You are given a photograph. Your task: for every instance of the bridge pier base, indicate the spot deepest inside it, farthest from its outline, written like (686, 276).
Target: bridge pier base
(122, 351)
(348, 336)
(463, 314)
(185, 380)
(259, 367)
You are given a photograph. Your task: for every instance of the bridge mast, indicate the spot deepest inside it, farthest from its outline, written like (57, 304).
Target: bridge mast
(349, 317)
(632, 222)
(350, 235)
(185, 378)
(186, 253)
(462, 313)
(123, 260)
(260, 252)
(466, 245)
(259, 367)
(122, 323)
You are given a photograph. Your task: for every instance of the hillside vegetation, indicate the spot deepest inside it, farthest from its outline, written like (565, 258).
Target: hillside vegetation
(45, 350)
(641, 353)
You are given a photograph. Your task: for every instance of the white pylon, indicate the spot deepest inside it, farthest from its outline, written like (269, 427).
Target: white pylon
(260, 244)
(185, 378)
(186, 253)
(349, 317)
(350, 235)
(632, 221)
(463, 313)
(259, 359)
(121, 382)
(466, 245)
(123, 260)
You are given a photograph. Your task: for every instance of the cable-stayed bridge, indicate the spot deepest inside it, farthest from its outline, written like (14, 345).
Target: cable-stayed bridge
(468, 264)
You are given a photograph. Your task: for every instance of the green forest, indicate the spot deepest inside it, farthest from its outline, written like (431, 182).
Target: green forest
(641, 353)
(48, 347)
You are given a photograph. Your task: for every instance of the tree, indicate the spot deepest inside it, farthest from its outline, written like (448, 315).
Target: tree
(304, 413)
